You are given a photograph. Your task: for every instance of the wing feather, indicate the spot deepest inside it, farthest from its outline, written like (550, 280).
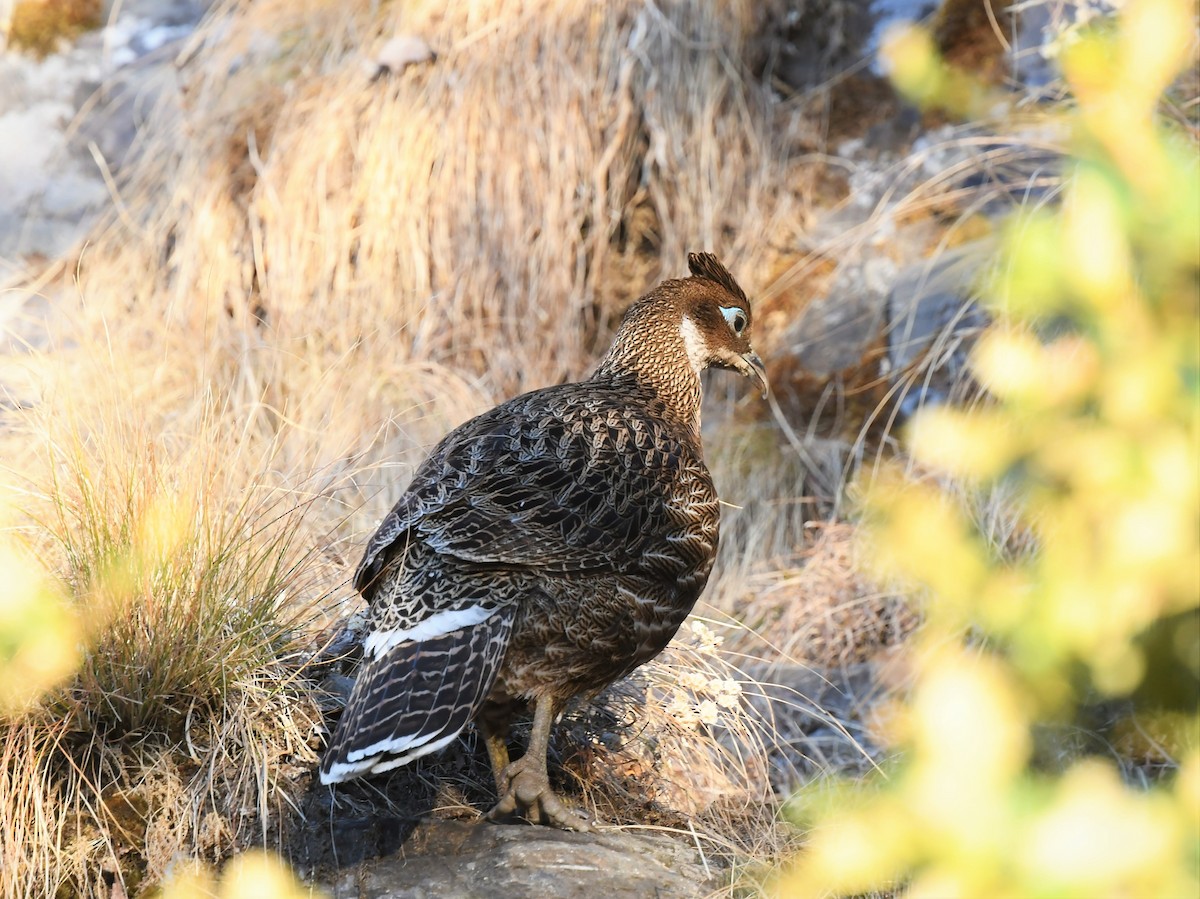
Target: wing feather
(416, 697)
(546, 482)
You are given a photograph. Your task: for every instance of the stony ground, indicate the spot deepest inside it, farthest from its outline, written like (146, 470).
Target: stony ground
(67, 121)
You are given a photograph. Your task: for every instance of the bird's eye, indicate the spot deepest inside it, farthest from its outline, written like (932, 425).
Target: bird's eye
(736, 318)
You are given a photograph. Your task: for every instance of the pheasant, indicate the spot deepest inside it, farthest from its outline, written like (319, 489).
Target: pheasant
(546, 548)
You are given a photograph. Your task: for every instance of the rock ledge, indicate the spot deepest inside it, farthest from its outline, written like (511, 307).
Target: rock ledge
(451, 859)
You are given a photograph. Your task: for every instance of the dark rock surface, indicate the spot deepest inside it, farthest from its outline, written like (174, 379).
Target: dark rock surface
(452, 859)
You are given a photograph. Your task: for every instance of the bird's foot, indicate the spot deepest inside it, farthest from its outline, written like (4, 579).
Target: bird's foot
(528, 793)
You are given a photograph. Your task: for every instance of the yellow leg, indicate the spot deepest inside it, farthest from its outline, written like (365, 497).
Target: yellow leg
(525, 786)
(497, 749)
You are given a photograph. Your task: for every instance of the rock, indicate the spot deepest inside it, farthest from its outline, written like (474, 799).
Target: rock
(451, 859)
(94, 93)
(807, 42)
(120, 106)
(398, 54)
(933, 317)
(837, 330)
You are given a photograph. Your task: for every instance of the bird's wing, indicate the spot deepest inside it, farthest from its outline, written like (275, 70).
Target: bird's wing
(392, 534)
(414, 696)
(562, 481)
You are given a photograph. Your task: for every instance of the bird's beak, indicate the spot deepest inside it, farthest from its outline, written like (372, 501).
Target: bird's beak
(750, 365)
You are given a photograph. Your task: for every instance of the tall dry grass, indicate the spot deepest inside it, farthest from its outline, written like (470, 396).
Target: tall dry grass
(516, 193)
(195, 584)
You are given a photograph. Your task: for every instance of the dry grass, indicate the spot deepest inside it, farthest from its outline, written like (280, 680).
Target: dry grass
(195, 582)
(824, 611)
(307, 278)
(455, 214)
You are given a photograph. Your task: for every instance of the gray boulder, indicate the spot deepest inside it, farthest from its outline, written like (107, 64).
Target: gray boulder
(456, 860)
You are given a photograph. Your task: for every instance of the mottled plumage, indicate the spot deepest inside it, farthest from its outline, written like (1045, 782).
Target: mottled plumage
(547, 547)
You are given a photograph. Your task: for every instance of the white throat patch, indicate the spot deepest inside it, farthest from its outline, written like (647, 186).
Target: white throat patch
(697, 350)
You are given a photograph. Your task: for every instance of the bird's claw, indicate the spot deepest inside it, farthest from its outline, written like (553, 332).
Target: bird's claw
(528, 793)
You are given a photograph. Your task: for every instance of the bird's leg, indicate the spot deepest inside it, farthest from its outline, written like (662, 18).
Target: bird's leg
(525, 786)
(497, 749)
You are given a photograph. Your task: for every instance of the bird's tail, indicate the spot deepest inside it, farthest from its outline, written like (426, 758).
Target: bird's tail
(414, 696)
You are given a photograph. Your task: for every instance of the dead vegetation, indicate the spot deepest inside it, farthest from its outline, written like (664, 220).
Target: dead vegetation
(307, 278)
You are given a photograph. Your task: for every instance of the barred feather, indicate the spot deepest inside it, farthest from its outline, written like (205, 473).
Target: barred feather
(415, 698)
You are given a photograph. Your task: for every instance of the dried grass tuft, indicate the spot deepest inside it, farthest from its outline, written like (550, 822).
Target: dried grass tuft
(825, 611)
(461, 211)
(192, 576)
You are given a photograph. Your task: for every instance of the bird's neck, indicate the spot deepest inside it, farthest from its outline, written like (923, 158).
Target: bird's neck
(651, 347)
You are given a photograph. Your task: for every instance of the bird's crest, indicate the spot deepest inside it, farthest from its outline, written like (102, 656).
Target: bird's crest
(708, 266)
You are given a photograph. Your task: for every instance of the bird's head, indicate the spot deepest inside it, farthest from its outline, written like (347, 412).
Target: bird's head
(717, 322)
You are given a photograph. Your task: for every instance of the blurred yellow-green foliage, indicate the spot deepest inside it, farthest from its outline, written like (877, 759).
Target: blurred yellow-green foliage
(39, 632)
(1094, 368)
(252, 875)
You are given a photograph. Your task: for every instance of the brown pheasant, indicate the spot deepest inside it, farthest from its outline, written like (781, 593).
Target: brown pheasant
(547, 548)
